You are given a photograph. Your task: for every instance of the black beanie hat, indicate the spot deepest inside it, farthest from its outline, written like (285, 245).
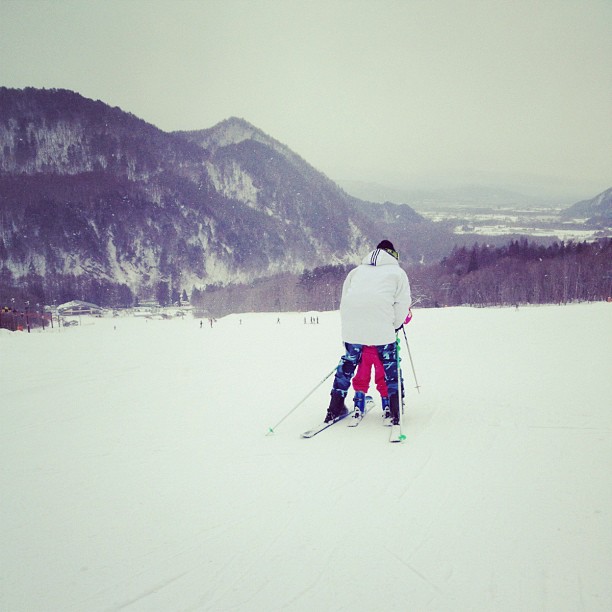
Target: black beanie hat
(385, 244)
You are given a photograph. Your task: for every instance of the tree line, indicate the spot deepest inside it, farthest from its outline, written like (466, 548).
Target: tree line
(317, 289)
(520, 272)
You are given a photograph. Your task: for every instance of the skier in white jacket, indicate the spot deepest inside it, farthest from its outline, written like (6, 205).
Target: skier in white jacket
(374, 305)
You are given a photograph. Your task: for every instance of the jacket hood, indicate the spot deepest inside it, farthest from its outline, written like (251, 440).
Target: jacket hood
(379, 257)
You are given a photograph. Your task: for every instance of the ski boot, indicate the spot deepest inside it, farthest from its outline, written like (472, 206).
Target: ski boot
(336, 408)
(359, 401)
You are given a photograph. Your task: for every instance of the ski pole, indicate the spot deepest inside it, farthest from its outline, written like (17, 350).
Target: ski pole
(400, 385)
(271, 429)
(418, 388)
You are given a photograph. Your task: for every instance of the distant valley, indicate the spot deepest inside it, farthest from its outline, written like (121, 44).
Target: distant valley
(491, 212)
(544, 224)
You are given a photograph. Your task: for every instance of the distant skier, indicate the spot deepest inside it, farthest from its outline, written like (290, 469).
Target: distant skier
(375, 303)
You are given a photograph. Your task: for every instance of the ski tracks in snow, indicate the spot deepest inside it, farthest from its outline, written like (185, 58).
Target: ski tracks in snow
(150, 591)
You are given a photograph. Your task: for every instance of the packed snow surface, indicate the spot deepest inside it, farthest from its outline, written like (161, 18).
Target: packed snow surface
(136, 473)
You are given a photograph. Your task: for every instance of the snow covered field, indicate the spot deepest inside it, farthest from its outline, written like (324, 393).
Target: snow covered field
(530, 232)
(511, 221)
(136, 473)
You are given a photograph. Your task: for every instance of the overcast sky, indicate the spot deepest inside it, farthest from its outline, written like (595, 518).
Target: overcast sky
(397, 92)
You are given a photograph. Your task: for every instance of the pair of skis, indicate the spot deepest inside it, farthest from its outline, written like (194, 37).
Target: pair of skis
(394, 436)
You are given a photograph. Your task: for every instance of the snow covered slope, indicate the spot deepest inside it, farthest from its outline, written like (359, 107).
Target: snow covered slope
(137, 473)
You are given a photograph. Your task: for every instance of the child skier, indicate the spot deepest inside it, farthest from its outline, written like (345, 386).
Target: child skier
(361, 380)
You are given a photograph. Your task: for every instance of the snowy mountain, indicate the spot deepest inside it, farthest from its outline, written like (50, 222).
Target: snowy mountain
(92, 192)
(597, 209)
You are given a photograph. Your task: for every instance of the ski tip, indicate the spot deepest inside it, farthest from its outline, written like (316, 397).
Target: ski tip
(402, 437)
(270, 431)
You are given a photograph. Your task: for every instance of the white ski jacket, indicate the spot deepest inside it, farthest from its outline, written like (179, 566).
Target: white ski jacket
(375, 300)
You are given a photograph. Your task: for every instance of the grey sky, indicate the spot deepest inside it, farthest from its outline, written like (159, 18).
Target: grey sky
(403, 93)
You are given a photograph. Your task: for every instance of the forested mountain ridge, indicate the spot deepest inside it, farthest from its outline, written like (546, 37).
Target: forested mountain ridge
(597, 209)
(93, 198)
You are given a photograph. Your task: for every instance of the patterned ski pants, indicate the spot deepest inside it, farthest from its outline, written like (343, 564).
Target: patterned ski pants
(352, 357)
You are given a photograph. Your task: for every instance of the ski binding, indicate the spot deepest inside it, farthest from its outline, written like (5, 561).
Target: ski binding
(357, 415)
(323, 426)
